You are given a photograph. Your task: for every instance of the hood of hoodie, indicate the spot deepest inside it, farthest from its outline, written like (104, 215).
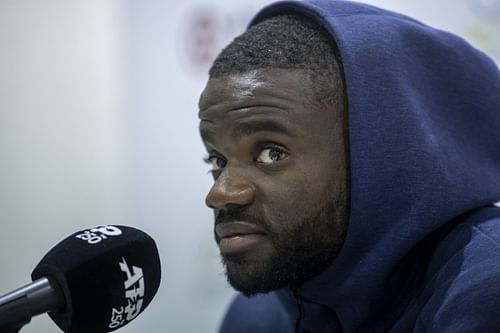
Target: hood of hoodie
(424, 127)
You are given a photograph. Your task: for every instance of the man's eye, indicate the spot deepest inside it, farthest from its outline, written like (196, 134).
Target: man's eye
(270, 155)
(216, 162)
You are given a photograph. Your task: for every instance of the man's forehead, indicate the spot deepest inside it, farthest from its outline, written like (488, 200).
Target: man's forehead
(246, 83)
(280, 87)
(234, 85)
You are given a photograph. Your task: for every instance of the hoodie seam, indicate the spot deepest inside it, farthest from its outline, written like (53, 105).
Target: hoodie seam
(486, 236)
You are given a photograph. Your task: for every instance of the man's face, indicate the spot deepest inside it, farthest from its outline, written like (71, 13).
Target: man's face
(279, 166)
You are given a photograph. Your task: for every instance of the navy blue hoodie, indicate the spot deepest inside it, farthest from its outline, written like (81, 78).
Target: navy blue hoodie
(422, 251)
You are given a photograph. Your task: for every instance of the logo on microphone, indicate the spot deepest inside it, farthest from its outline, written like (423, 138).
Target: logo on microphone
(134, 293)
(98, 234)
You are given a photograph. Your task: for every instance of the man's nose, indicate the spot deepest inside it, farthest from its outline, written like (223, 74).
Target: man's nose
(230, 190)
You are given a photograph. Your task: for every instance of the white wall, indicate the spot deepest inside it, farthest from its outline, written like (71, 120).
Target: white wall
(61, 132)
(98, 125)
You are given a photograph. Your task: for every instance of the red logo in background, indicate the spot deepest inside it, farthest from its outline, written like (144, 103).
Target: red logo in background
(205, 31)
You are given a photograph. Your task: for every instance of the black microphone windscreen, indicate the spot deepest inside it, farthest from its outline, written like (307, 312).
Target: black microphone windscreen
(108, 275)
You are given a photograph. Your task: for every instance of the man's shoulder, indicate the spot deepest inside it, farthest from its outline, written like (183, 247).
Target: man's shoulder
(476, 241)
(260, 313)
(487, 228)
(471, 243)
(462, 288)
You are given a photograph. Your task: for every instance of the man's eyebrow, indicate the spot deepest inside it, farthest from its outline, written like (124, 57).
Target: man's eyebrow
(251, 127)
(248, 128)
(205, 134)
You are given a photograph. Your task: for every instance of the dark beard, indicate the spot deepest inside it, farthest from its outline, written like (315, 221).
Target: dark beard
(301, 251)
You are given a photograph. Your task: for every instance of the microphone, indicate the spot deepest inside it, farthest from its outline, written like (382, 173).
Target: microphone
(95, 280)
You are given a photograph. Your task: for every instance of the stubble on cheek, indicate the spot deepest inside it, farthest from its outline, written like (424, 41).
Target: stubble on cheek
(302, 248)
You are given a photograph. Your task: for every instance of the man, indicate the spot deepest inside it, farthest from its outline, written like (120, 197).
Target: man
(356, 157)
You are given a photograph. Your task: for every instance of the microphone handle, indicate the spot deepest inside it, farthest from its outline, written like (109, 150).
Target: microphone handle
(19, 306)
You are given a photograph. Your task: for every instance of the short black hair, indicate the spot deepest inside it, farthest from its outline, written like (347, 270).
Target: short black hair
(288, 41)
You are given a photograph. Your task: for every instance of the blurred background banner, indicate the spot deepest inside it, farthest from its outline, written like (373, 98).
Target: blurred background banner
(98, 125)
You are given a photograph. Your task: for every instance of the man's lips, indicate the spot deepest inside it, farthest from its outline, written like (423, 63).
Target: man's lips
(231, 229)
(238, 236)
